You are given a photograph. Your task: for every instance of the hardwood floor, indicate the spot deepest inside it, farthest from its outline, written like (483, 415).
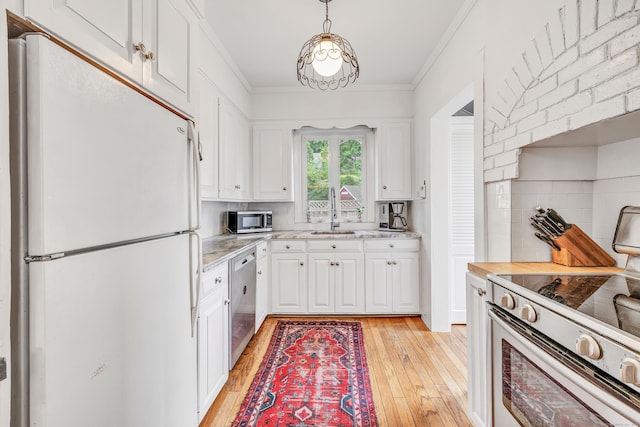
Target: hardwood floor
(418, 377)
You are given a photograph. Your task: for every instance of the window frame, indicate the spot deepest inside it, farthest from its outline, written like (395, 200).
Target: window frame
(334, 136)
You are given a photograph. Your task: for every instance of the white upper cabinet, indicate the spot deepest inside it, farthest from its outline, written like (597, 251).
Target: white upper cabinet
(170, 29)
(394, 162)
(272, 151)
(207, 122)
(164, 31)
(234, 170)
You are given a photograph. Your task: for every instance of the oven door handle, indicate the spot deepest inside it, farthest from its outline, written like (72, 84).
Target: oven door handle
(594, 391)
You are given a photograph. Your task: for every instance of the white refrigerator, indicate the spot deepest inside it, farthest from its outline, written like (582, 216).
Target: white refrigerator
(105, 250)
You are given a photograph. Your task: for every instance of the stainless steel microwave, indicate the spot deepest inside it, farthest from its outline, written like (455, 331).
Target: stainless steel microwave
(249, 221)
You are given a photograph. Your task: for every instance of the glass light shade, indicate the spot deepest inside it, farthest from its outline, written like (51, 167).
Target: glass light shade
(327, 57)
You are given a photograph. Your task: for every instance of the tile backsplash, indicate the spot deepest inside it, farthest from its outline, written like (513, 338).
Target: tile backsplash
(571, 199)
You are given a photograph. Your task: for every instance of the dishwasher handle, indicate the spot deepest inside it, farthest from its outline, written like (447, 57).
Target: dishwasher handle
(242, 263)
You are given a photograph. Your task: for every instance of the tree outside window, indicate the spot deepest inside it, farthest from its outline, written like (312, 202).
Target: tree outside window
(334, 160)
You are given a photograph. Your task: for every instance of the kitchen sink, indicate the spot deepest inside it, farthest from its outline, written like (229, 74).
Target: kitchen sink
(334, 232)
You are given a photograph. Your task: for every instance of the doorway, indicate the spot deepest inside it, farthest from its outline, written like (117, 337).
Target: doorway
(461, 209)
(454, 218)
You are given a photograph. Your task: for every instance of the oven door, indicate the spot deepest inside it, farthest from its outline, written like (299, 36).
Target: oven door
(532, 387)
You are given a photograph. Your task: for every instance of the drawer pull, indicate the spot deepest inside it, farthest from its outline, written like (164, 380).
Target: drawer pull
(333, 246)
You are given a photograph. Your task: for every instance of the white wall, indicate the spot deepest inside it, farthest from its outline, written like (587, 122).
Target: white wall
(489, 40)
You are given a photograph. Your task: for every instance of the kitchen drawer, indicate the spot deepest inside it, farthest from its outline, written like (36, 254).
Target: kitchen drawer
(214, 278)
(261, 250)
(392, 245)
(337, 245)
(288, 246)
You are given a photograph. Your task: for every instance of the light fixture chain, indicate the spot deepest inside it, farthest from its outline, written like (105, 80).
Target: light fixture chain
(326, 25)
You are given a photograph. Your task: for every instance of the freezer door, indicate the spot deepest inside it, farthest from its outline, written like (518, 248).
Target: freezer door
(105, 163)
(111, 341)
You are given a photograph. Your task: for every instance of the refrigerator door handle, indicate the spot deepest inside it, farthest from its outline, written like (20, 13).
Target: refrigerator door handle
(195, 299)
(194, 139)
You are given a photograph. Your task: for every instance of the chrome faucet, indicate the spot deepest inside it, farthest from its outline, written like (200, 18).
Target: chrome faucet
(334, 211)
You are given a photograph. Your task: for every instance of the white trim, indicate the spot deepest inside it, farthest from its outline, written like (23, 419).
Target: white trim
(215, 41)
(458, 20)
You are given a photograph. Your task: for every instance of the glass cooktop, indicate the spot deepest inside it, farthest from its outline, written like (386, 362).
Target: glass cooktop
(613, 299)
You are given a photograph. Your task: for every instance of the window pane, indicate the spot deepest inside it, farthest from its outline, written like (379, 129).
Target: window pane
(351, 179)
(317, 179)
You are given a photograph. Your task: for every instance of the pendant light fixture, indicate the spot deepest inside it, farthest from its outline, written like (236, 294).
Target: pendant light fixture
(326, 60)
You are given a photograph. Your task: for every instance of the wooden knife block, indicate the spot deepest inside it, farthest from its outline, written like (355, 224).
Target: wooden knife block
(578, 250)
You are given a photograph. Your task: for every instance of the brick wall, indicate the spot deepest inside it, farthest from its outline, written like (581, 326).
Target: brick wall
(581, 68)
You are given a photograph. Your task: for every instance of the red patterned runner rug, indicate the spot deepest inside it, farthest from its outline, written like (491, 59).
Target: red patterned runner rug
(313, 374)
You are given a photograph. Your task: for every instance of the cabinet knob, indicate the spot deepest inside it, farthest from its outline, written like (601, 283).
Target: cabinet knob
(227, 301)
(284, 188)
(395, 262)
(388, 262)
(337, 263)
(481, 292)
(391, 245)
(264, 249)
(333, 246)
(147, 54)
(332, 263)
(287, 247)
(218, 279)
(384, 187)
(260, 272)
(301, 263)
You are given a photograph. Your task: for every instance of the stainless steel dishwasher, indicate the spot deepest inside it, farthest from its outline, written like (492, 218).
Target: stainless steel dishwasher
(242, 313)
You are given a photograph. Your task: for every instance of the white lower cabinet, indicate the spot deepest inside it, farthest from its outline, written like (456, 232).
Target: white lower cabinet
(213, 337)
(289, 282)
(262, 283)
(392, 270)
(336, 283)
(478, 374)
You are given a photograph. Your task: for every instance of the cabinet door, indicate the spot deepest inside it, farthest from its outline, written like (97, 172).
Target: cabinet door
(234, 146)
(289, 283)
(262, 290)
(378, 286)
(479, 381)
(394, 162)
(213, 347)
(207, 121)
(349, 283)
(170, 32)
(272, 163)
(406, 288)
(322, 268)
(104, 30)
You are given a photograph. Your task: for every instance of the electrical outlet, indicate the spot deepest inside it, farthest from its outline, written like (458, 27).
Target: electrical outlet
(3, 369)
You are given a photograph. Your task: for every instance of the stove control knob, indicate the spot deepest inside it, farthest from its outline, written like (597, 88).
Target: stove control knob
(507, 301)
(588, 346)
(528, 313)
(630, 371)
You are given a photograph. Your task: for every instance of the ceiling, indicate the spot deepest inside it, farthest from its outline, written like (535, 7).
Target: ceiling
(393, 39)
